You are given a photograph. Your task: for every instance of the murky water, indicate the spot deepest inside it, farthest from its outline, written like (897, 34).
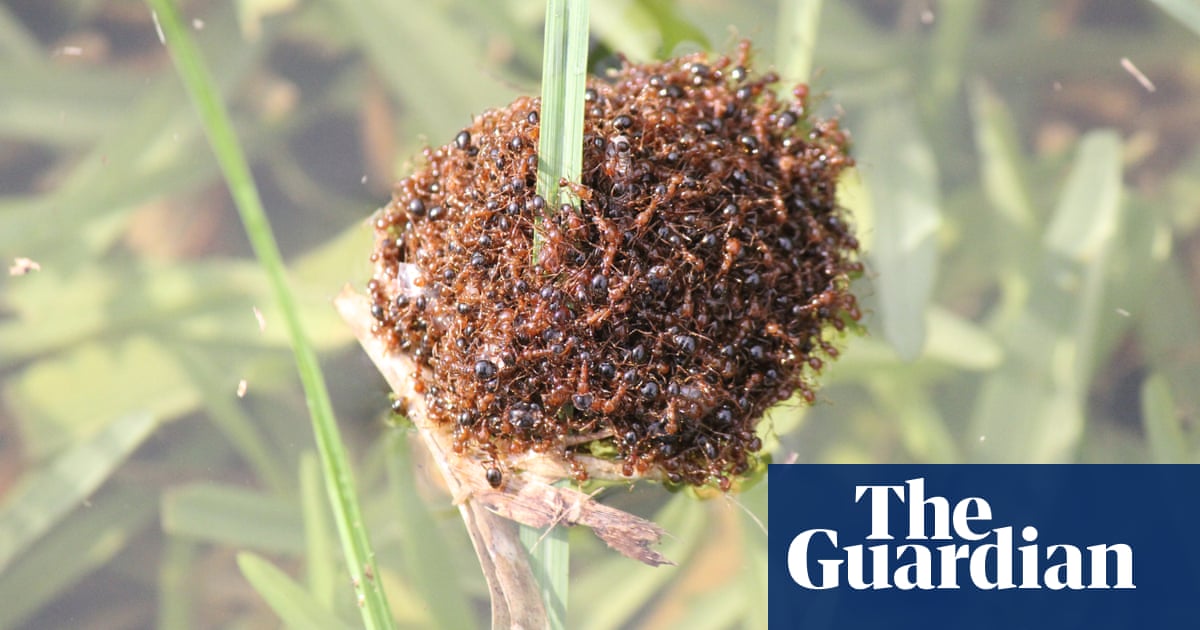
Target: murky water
(1026, 197)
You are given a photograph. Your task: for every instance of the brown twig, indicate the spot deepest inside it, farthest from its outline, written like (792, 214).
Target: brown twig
(527, 496)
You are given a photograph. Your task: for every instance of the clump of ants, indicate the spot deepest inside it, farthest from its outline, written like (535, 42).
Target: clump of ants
(698, 279)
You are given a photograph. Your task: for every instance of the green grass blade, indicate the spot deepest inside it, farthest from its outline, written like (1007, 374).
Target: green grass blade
(76, 547)
(233, 516)
(564, 75)
(626, 587)
(902, 177)
(106, 381)
(174, 584)
(319, 555)
(798, 22)
(232, 420)
(1084, 231)
(1169, 334)
(1032, 409)
(575, 71)
(47, 494)
(156, 143)
(1000, 157)
(205, 302)
(425, 551)
(15, 41)
(672, 25)
(63, 106)
(716, 610)
(560, 157)
(959, 342)
(1087, 214)
(1187, 12)
(550, 558)
(436, 89)
(1164, 429)
(754, 582)
(922, 427)
(338, 476)
(627, 26)
(292, 603)
(956, 29)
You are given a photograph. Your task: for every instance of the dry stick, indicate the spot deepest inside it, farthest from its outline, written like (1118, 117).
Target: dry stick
(526, 497)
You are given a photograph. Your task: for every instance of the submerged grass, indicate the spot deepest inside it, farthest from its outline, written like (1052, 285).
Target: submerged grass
(1050, 331)
(339, 477)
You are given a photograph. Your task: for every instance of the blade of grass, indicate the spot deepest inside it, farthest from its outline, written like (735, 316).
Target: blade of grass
(1169, 334)
(208, 302)
(106, 381)
(1000, 159)
(231, 419)
(174, 584)
(1086, 218)
(716, 610)
(425, 551)
(151, 151)
(292, 603)
(319, 556)
(550, 556)
(233, 516)
(1032, 409)
(670, 25)
(1009, 234)
(63, 106)
(76, 547)
(436, 90)
(564, 75)
(338, 476)
(922, 427)
(1164, 431)
(798, 21)
(1187, 12)
(626, 589)
(902, 177)
(754, 544)
(955, 30)
(627, 26)
(1084, 230)
(15, 41)
(647, 29)
(47, 494)
(560, 157)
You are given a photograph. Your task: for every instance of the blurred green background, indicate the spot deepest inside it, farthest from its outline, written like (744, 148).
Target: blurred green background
(1029, 208)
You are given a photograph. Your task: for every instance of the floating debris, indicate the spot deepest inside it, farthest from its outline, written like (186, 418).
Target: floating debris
(22, 266)
(162, 39)
(1137, 74)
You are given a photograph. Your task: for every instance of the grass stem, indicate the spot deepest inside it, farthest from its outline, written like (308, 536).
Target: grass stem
(550, 561)
(797, 37)
(560, 158)
(339, 482)
(564, 75)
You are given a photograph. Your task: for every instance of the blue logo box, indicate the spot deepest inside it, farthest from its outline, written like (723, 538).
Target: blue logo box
(984, 546)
